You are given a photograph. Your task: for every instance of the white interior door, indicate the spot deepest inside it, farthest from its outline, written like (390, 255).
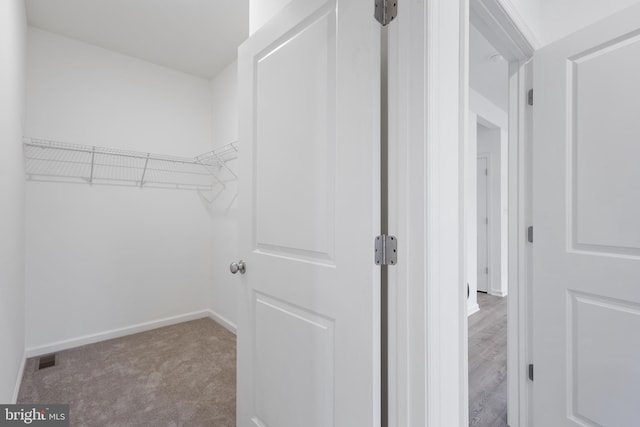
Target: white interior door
(483, 224)
(308, 319)
(586, 199)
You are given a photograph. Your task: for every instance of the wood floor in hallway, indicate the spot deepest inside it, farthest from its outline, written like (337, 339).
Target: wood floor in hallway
(488, 363)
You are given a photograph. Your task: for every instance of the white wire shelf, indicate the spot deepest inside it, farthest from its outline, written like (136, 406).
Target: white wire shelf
(63, 162)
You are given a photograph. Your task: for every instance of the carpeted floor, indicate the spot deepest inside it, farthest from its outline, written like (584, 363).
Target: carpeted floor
(180, 375)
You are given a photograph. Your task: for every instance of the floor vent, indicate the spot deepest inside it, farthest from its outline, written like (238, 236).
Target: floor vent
(47, 361)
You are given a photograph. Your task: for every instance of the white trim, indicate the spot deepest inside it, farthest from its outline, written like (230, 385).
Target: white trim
(223, 321)
(427, 291)
(406, 217)
(473, 309)
(445, 290)
(470, 202)
(504, 28)
(489, 200)
(498, 293)
(489, 114)
(114, 333)
(518, 331)
(463, 140)
(16, 388)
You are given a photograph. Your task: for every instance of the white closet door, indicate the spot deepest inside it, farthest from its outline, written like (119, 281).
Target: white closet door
(586, 289)
(308, 320)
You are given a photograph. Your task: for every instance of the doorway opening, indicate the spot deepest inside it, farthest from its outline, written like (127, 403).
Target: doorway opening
(486, 219)
(496, 207)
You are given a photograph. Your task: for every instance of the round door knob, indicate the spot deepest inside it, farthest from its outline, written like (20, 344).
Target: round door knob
(238, 266)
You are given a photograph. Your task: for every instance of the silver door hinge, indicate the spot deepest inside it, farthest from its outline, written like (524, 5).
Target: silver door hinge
(386, 11)
(531, 371)
(530, 97)
(386, 250)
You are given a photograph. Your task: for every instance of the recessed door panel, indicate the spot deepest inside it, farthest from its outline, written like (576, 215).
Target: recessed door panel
(601, 352)
(295, 142)
(604, 104)
(293, 364)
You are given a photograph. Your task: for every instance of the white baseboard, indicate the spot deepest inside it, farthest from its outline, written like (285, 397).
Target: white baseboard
(16, 389)
(498, 293)
(114, 333)
(473, 309)
(223, 321)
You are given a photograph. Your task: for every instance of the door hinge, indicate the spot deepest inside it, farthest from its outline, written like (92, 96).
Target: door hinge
(386, 250)
(486, 270)
(486, 172)
(530, 234)
(531, 371)
(385, 11)
(530, 97)
(486, 221)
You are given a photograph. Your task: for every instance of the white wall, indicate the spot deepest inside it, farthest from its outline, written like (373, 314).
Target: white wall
(488, 76)
(12, 282)
(100, 258)
(224, 210)
(81, 93)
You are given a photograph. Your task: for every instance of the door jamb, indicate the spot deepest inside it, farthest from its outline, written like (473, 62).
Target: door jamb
(427, 367)
(428, 109)
(489, 200)
(504, 28)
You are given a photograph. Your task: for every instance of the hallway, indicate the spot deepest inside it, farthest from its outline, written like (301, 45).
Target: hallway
(488, 363)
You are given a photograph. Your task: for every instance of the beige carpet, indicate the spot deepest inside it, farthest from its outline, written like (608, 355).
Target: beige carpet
(180, 375)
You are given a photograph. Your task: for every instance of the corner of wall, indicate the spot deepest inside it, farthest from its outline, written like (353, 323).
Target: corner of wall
(223, 211)
(12, 254)
(16, 389)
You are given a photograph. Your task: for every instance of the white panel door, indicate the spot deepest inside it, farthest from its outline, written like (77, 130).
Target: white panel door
(308, 320)
(586, 198)
(483, 224)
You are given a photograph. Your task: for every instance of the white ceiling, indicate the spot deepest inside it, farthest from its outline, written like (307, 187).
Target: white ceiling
(199, 37)
(488, 75)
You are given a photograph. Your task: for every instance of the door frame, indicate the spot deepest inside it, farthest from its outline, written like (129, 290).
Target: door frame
(488, 200)
(428, 116)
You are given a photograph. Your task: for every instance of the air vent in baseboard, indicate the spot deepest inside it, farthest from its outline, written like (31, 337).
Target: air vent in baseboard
(47, 361)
